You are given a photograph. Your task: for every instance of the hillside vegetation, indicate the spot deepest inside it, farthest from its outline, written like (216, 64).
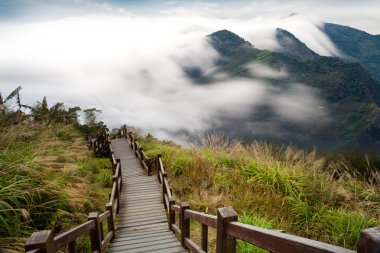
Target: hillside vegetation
(346, 112)
(273, 187)
(49, 179)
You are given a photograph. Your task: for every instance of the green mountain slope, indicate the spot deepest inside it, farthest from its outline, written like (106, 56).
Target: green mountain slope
(351, 96)
(363, 47)
(293, 47)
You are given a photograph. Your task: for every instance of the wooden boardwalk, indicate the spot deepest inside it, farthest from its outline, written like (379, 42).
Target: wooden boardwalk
(142, 225)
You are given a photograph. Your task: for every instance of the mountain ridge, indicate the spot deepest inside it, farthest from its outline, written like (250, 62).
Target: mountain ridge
(350, 92)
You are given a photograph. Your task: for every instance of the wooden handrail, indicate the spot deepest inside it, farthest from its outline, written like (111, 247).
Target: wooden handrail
(228, 229)
(44, 242)
(279, 242)
(203, 218)
(67, 237)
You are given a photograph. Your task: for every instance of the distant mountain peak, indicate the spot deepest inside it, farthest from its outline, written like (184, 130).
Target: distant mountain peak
(226, 42)
(357, 44)
(291, 46)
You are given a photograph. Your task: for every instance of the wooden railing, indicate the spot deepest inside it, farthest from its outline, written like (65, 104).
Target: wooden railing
(45, 242)
(228, 229)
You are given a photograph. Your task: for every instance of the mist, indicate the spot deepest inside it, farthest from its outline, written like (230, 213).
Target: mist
(131, 67)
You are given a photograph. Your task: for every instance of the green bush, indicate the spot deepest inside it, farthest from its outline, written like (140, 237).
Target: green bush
(105, 177)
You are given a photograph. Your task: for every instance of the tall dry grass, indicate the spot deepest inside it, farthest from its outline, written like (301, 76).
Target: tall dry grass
(298, 191)
(48, 180)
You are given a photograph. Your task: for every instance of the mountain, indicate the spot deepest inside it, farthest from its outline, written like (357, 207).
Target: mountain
(361, 46)
(351, 96)
(227, 43)
(291, 46)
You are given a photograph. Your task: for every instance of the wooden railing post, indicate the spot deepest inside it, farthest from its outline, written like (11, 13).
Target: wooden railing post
(149, 164)
(96, 241)
(224, 242)
(120, 175)
(164, 175)
(71, 247)
(110, 220)
(125, 131)
(141, 156)
(185, 223)
(158, 167)
(369, 241)
(43, 240)
(204, 239)
(115, 180)
(171, 213)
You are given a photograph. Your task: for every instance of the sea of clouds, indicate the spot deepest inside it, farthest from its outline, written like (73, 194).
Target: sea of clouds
(131, 67)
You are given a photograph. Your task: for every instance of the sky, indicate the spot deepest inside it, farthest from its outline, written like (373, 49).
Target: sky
(127, 57)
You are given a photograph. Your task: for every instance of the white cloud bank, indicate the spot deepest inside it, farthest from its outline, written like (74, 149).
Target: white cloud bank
(130, 67)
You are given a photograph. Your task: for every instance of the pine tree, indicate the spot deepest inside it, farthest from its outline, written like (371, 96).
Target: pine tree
(1, 103)
(44, 111)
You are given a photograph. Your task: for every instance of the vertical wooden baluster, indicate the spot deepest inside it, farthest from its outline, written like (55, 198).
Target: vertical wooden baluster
(185, 223)
(110, 220)
(115, 180)
(224, 242)
(164, 175)
(96, 242)
(369, 241)
(71, 247)
(158, 167)
(204, 241)
(171, 213)
(149, 164)
(101, 231)
(118, 161)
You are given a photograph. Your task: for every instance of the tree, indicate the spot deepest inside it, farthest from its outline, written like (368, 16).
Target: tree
(90, 116)
(1, 103)
(44, 107)
(8, 115)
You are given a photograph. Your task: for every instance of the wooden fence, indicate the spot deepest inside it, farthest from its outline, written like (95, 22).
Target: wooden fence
(45, 242)
(228, 229)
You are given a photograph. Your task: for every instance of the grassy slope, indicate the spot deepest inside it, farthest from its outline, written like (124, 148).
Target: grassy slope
(275, 188)
(48, 180)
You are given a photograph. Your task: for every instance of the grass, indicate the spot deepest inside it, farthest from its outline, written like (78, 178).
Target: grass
(285, 188)
(48, 180)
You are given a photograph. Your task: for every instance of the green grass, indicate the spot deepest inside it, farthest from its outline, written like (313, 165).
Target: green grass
(48, 180)
(283, 188)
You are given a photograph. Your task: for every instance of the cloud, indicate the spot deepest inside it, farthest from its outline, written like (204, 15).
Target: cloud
(259, 70)
(131, 67)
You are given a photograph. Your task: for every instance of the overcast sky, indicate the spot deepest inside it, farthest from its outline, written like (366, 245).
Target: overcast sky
(127, 57)
(359, 14)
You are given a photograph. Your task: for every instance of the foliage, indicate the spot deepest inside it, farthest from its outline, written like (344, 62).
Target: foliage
(48, 180)
(284, 188)
(349, 98)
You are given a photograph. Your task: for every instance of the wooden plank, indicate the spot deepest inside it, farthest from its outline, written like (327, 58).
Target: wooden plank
(142, 218)
(142, 244)
(140, 240)
(142, 236)
(144, 233)
(149, 248)
(141, 223)
(145, 213)
(147, 228)
(144, 207)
